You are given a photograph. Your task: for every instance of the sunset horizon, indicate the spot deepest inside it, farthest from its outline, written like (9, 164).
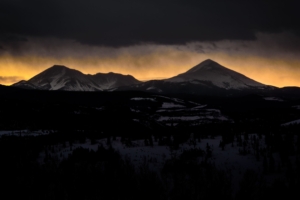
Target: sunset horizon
(151, 39)
(278, 78)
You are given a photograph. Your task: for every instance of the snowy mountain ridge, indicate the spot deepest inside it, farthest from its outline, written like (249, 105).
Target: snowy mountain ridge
(216, 74)
(62, 78)
(208, 77)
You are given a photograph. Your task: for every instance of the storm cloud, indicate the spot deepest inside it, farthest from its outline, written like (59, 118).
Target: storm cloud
(123, 23)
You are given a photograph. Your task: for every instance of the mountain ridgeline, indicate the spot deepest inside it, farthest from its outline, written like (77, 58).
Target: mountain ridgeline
(206, 78)
(62, 78)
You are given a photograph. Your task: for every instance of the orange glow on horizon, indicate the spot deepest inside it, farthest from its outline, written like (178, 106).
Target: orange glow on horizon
(275, 72)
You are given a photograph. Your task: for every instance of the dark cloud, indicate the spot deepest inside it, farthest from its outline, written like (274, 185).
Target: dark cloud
(284, 45)
(269, 45)
(118, 22)
(12, 43)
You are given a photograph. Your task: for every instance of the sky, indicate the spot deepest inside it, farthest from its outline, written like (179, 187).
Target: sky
(151, 39)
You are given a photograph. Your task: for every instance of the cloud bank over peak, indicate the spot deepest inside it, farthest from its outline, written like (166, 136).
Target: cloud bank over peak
(263, 59)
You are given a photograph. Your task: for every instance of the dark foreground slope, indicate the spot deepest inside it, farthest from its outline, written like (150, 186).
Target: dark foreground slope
(85, 137)
(137, 111)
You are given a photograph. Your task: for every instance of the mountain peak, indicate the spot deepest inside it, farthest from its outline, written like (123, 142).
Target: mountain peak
(206, 64)
(216, 74)
(58, 67)
(207, 61)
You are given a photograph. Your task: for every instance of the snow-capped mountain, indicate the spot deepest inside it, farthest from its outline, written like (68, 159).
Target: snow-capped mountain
(62, 78)
(216, 74)
(206, 78)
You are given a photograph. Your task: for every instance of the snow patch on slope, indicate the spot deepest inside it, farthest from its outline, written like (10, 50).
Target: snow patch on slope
(291, 123)
(272, 99)
(171, 105)
(142, 99)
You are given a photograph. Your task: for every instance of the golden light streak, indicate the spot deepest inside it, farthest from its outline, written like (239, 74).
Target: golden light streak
(276, 72)
(163, 64)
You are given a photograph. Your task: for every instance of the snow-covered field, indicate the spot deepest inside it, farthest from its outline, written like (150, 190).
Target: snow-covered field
(182, 118)
(174, 111)
(172, 99)
(171, 105)
(142, 99)
(272, 99)
(197, 115)
(24, 132)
